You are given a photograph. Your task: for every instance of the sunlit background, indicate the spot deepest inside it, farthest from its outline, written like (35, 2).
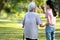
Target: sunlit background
(11, 16)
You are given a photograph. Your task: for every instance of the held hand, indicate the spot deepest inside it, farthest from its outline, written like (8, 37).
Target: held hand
(47, 24)
(43, 24)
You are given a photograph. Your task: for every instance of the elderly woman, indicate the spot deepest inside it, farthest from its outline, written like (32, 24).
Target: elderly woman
(31, 22)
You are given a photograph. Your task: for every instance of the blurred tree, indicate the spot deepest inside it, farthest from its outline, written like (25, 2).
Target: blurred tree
(39, 2)
(41, 5)
(59, 7)
(1, 5)
(13, 6)
(49, 0)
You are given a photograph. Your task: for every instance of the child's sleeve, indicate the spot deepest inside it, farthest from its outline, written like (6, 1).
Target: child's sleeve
(49, 17)
(46, 15)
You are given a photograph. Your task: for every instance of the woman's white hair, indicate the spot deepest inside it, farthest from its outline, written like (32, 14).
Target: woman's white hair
(31, 6)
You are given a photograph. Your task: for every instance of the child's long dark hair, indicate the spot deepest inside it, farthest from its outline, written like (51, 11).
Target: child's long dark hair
(50, 3)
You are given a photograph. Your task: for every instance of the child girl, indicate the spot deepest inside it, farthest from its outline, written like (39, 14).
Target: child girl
(51, 20)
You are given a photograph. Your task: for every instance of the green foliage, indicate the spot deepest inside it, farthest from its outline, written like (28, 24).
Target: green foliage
(39, 2)
(11, 6)
(8, 10)
(1, 5)
(56, 4)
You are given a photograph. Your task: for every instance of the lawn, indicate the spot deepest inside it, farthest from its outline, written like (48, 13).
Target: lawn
(9, 33)
(14, 31)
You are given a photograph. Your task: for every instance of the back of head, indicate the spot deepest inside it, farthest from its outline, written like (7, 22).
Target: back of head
(51, 4)
(31, 6)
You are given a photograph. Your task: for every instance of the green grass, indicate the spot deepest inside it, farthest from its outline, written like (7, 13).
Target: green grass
(8, 33)
(14, 31)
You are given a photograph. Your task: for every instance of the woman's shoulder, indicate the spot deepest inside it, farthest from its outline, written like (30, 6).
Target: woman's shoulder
(36, 14)
(26, 13)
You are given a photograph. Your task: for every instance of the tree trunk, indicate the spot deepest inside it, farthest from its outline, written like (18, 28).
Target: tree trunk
(59, 7)
(1, 6)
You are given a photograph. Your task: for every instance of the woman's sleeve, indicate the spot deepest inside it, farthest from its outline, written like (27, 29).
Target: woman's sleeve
(38, 20)
(23, 22)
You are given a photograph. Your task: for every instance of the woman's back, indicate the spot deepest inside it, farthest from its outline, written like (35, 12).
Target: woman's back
(31, 26)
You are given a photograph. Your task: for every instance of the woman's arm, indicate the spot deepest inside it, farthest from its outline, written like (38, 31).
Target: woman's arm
(23, 23)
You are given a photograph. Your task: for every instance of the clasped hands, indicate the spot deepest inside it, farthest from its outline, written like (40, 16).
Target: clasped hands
(43, 24)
